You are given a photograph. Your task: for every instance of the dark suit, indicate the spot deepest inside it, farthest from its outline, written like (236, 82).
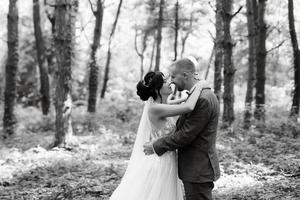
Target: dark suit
(195, 139)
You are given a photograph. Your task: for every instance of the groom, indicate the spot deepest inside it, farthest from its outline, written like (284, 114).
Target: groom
(194, 137)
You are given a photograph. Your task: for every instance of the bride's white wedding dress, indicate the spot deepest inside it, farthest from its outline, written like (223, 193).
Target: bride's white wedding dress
(150, 177)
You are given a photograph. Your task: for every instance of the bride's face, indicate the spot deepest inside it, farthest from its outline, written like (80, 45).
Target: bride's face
(166, 89)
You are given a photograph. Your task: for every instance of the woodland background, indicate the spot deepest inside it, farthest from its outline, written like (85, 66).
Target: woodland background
(74, 145)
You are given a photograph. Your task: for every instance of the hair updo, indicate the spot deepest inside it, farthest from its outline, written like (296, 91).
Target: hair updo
(150, 86)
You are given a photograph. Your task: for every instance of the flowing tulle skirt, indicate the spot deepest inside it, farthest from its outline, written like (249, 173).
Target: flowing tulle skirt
(152, 178)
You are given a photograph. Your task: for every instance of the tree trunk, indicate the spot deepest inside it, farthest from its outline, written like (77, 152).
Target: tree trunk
(176, 29)
(218, 50)
(209, 61)
(229, 70)
(261, 53)
(106, 73)
(189, 31)
(51, 51)
(159, 34)
(94, 69)
(65, 15)
(141, 53)
(251, 18)
(9, 119)
(296, 54)
(152, 55)
(41, 57)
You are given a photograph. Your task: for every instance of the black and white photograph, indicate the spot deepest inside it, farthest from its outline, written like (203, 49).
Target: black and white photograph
(149, 100)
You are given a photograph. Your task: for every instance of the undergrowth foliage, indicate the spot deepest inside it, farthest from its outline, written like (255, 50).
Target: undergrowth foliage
(255, 163)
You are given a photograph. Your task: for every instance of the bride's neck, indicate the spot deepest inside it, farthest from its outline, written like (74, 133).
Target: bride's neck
(162, 100)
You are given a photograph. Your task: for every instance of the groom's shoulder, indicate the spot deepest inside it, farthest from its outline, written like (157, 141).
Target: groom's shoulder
(208, 95)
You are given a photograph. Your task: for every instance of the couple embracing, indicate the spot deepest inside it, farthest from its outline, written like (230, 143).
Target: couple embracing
(166, 154)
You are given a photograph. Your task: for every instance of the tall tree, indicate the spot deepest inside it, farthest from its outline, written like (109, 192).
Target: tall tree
(189, 29)
(152, 55)
(159, 34)
(176, 28)
(251, 19)
(106, 73)
(261, 53)
(9, 119)
(141, 52)
(65, 18)
(296, 54)
(218, 49)
(51, 48)
(93, 67)
(210, 61)
(41, 57)
(229, 70)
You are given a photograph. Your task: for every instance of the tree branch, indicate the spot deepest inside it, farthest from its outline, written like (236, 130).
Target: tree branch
(212, 7)
(232, 16)
(48, 4)
(212, 36)
(276, 47)
(91, 4)
(211, 21)
(135, 43)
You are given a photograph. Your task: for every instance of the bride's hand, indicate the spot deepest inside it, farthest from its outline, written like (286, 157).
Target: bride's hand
(148, 148)
(202, 84)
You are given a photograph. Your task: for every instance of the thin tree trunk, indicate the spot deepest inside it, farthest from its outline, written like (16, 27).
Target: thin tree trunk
(210, 60)
(176, 29)
(106, 73)
(51, 58)
(9, 119)
(152, 56)
(251, 18)
(94, 69)
(261, 53)
(183, 41)
(296, 54)
(218, 50)
(141, 53)
(65, 15)
(185, 37)
(41, 57)
(159, 34)
(229, 70)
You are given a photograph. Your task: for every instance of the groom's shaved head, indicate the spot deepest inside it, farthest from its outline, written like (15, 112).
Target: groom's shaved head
(184, 65)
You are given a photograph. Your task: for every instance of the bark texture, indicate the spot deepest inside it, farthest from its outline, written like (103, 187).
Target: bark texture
(9, 119)
(93, 67)
(65, 17)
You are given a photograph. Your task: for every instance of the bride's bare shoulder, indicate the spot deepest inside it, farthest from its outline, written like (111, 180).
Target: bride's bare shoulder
(153, 113)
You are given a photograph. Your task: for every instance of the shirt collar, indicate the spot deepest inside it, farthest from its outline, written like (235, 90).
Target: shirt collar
(191, 90)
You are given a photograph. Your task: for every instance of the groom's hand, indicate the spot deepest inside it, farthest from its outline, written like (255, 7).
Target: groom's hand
(148, 148)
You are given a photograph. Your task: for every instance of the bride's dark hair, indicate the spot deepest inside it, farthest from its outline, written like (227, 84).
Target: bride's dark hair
(152, 83)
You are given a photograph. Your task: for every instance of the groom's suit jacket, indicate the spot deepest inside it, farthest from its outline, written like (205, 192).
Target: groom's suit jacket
(195, 139)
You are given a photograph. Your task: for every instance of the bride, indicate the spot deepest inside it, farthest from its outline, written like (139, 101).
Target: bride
(153, 177)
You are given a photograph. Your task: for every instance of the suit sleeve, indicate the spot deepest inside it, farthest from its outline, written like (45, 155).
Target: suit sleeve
(191, 128)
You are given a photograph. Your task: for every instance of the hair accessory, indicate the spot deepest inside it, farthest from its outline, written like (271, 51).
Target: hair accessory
(144, 83)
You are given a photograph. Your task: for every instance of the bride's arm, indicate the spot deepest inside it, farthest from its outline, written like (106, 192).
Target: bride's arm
(176, 101)
(165, 110)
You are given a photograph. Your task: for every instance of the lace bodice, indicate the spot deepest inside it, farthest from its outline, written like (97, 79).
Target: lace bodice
(163, 129)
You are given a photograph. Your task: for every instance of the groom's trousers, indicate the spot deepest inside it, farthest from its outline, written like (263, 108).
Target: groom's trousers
(198, 191)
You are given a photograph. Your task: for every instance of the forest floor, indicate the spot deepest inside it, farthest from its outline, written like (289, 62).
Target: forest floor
(254, 164)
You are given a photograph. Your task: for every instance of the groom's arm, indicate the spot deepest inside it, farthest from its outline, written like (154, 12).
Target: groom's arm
(193, 125)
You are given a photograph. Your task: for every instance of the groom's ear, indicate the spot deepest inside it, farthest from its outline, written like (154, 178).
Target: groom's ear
(185, 74)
